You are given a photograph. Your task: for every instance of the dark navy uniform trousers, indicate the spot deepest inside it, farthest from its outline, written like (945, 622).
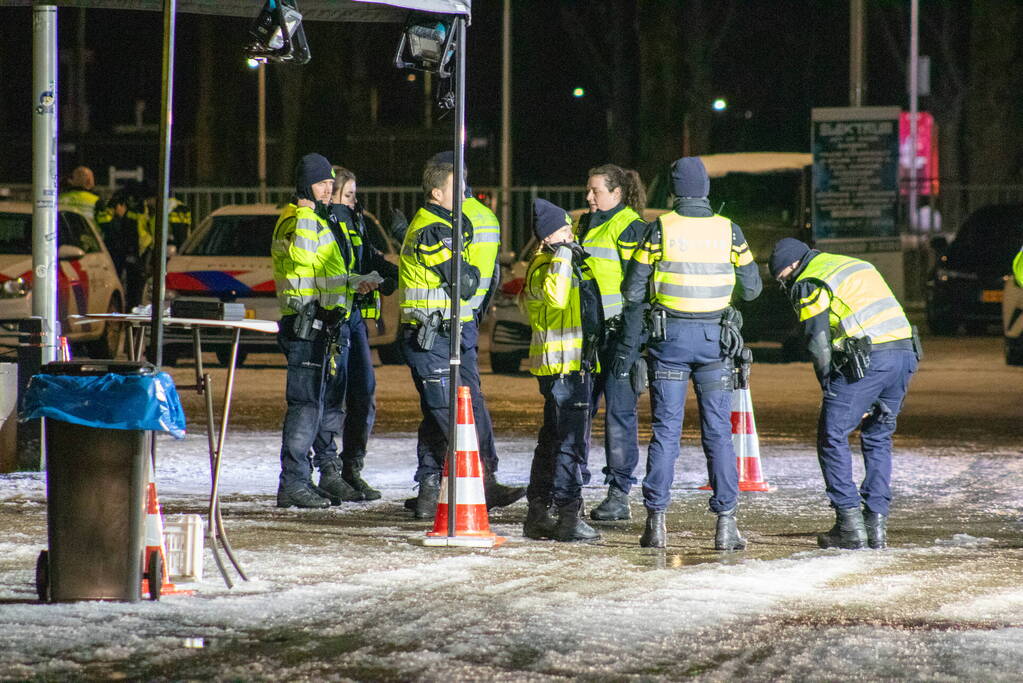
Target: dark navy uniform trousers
(315, 399)
(561, 447)
(878, 395)
(691, 349)
(621, 421)
(360, 394)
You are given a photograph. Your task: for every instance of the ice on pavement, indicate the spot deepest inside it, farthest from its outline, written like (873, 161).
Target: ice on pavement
(343, 594)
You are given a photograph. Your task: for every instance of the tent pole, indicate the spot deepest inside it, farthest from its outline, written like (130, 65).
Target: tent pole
(44, 176)
(163, 189)
(458, 183)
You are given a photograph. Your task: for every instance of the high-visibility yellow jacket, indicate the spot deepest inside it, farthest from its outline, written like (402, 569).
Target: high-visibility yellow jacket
(554, 303)
(1017, 268)
(694, 261)
(482, 251)
(423, 267)
(80, 201)
(610, 238)
(856, 299)
(308, 262)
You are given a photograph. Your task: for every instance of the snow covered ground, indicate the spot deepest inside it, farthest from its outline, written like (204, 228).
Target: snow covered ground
(342, 593)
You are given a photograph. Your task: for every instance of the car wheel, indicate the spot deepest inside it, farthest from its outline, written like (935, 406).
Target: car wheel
(1014, 351)
(391, 354)
(506, 363)
(224, 356)
(108, 345)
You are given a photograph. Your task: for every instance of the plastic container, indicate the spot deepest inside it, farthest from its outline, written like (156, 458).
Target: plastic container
(183, 536)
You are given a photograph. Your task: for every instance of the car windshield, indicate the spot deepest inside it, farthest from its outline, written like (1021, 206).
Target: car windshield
(233, 235)
(987, 241)
(15, 233)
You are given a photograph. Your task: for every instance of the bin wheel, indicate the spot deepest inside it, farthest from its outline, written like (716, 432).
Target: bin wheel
(43, 576)
(154, 574)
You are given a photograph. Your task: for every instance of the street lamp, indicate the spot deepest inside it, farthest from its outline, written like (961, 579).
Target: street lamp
(260, 66)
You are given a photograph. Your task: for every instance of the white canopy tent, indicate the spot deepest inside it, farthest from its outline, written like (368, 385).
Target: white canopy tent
(45, 142)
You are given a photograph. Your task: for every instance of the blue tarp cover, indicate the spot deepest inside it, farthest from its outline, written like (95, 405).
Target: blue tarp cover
(110, 401)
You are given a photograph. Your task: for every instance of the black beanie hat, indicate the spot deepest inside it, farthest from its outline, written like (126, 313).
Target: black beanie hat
(689, 178)
(786, 252)
(311, 169)
(548, 218)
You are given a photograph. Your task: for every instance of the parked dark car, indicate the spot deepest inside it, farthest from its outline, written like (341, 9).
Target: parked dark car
(967, 284)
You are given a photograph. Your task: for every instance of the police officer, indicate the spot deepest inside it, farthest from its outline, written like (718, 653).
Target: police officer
(482, 252)
(179, 220)
(1017, 268)
(360, 393)
(425, 275)
(609, 234)
(692, 260)
(566, 316)
(864, 352)
(79, 196)
(312, 264)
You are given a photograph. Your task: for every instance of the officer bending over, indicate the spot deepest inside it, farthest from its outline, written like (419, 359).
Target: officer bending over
(312, 263)
(563, 302)
(864, 353)
(692, 260)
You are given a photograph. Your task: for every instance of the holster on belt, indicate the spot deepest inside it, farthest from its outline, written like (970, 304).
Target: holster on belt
(428, 329)
(854, 358)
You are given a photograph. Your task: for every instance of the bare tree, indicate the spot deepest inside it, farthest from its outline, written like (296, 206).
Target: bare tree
(607, 36)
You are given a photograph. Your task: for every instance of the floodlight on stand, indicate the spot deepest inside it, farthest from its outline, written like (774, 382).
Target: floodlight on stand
(277, 34)
(428, 44)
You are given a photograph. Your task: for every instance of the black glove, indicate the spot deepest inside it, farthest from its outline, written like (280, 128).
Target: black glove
(578, 253)
(731, 332)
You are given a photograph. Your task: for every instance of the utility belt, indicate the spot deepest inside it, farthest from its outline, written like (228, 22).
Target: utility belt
(853, 359)
(311, 319)
(427, 327)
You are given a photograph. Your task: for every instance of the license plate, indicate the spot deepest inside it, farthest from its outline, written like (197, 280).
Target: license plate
(991, 296)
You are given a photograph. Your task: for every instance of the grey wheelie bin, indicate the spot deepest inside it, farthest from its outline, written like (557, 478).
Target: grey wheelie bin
(100, 416)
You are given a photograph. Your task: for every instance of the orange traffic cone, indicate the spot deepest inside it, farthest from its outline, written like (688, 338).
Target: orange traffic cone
(745, 443)
(155, 556)
(472, 523)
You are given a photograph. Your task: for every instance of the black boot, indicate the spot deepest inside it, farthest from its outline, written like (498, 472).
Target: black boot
(726, 536)
(539, 523)
(877, 529)
(849, 531)
(429, 493)
(351, 472)
(336, 488)
(612, 508)
(499, 495)
(656, 533)
(570, 525)
(410, 503)
(300, 496)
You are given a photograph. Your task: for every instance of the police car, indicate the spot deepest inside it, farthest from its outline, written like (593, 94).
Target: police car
(87, 281)
(227, 258)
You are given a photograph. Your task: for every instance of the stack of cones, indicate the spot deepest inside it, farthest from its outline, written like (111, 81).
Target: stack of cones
(745, 443)
(155, 544)
(472, 523)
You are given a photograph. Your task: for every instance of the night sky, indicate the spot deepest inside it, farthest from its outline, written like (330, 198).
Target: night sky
(780, 59)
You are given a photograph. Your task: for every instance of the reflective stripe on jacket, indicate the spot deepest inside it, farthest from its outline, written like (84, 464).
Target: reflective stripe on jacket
(308, 262)
(554, 303)
(858, 300)
(486, 242)
(694, 264)
(608, 256)
(419, 286)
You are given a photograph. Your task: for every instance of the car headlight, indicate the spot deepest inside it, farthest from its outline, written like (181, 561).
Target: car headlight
(15, 289)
